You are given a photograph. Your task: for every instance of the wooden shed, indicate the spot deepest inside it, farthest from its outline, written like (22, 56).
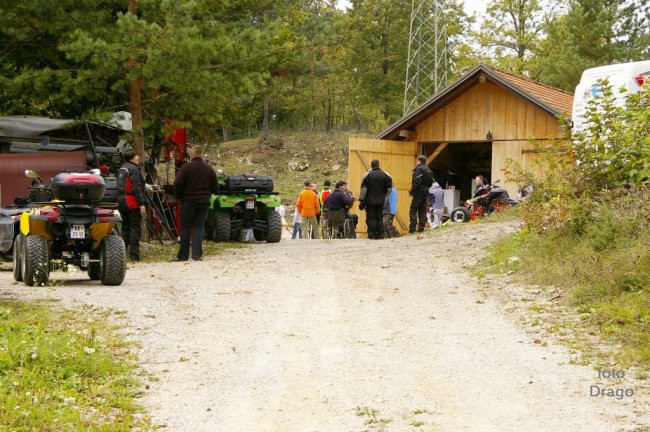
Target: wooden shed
(469, 128)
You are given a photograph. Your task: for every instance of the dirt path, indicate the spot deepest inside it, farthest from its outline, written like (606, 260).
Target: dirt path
(344, 336)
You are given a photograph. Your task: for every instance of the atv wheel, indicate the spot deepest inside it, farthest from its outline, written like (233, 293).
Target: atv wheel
(95, 268)
(34, 263)
(210, 230)
(112, 260)
(460, 214)
(221, 226)
(275, 227)
(236, 235)
(19, 242)
(260, 235)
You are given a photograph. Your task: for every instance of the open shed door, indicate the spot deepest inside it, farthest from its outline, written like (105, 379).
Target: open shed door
(397, 158)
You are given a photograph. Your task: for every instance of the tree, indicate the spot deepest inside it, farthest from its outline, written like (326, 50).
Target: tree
(593, 33)
(512, 32)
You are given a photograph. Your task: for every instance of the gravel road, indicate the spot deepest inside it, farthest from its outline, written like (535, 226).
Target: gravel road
(344, 335)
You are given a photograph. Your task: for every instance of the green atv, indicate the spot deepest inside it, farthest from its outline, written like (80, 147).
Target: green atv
(244, 201)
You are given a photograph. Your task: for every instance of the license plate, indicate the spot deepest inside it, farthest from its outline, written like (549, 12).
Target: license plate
(78, 232)
(250, 205)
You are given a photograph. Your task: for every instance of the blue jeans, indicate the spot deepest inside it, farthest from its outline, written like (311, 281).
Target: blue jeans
(192, 219)
(296, 230)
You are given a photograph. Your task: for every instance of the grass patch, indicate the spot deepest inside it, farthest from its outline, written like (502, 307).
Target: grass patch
(327, 155)
(603, 272)
(155, 252)
(65, 370)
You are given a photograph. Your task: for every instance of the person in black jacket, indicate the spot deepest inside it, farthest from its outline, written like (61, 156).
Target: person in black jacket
(376, 183)
(195, 183)
(342, 198)
(130, 200)
(420, 184)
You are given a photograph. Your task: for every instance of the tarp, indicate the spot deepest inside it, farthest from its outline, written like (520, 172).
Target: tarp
(29, 126)
(32, 127)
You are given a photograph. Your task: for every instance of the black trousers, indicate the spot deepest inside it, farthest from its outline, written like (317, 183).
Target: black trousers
(131, 230)
(192, 223)
(374, 220)
(418, 211)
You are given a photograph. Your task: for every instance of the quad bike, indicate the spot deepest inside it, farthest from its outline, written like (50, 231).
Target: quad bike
(244, 201)
(73, 228)
(492, 200)
(10, 216)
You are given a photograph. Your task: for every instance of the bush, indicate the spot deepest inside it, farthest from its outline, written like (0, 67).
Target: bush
(588, 222)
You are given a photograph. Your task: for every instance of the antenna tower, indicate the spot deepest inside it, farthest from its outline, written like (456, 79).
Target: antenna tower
(427, 64)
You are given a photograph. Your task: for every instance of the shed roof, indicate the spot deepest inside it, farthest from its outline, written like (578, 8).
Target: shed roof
(552, 100)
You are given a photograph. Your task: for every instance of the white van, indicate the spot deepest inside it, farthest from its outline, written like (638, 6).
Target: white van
(630, 76)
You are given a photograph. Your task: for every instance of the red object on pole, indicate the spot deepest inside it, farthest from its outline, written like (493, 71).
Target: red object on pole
(176, 143)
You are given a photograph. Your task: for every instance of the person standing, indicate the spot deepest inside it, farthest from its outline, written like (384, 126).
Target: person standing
(420, 184)
(308, 207)
(390, 210)
(376, 183)
(437, 201)
(130, 200)
(325, 193)
(297, 225)
(195, 182)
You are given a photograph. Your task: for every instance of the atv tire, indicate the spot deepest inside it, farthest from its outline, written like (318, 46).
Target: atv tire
(112, 256)
(459, 214)
(19, 243)
(35, 262)
(260, 235)
(221, 226)
(95, 268)
(275, 227)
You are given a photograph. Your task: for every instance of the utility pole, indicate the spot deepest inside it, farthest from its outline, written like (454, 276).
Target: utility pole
(427, 65)
(135, 106)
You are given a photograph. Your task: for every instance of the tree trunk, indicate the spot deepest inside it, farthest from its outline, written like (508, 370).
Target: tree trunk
(329, 112)
(135, 105)
(265, 119)
(226, 134)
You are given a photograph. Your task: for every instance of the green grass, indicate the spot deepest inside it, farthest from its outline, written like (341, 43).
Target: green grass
(322, 151)
(155, 252)
(603, 272)
(63, 370)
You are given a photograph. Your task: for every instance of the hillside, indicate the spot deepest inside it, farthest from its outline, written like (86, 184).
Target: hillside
(314, 156)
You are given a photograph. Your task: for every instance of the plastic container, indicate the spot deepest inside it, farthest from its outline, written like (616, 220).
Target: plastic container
(78, 187)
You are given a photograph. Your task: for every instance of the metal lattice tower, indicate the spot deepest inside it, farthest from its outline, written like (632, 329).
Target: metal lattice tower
(427, 65)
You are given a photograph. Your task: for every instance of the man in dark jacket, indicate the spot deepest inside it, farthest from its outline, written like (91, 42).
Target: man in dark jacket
(341, 198)
(195, 183)
(130, 200)
(420, 184)
(376, 183)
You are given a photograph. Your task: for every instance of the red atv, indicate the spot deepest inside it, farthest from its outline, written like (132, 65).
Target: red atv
(492, 200)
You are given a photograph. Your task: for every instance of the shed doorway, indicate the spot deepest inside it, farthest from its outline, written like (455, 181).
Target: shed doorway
(456, 164)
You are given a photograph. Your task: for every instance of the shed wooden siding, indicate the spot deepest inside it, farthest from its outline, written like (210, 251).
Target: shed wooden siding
(512, 120)
(397, 158)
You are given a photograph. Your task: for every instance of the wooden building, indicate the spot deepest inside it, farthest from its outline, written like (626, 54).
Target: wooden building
(471, 127)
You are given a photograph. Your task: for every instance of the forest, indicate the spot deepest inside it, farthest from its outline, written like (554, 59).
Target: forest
(227, 65)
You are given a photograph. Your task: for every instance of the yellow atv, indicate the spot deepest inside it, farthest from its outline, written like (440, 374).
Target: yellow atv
(72, 229)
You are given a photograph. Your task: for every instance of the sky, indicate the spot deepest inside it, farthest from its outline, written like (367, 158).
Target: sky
(471, 6)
